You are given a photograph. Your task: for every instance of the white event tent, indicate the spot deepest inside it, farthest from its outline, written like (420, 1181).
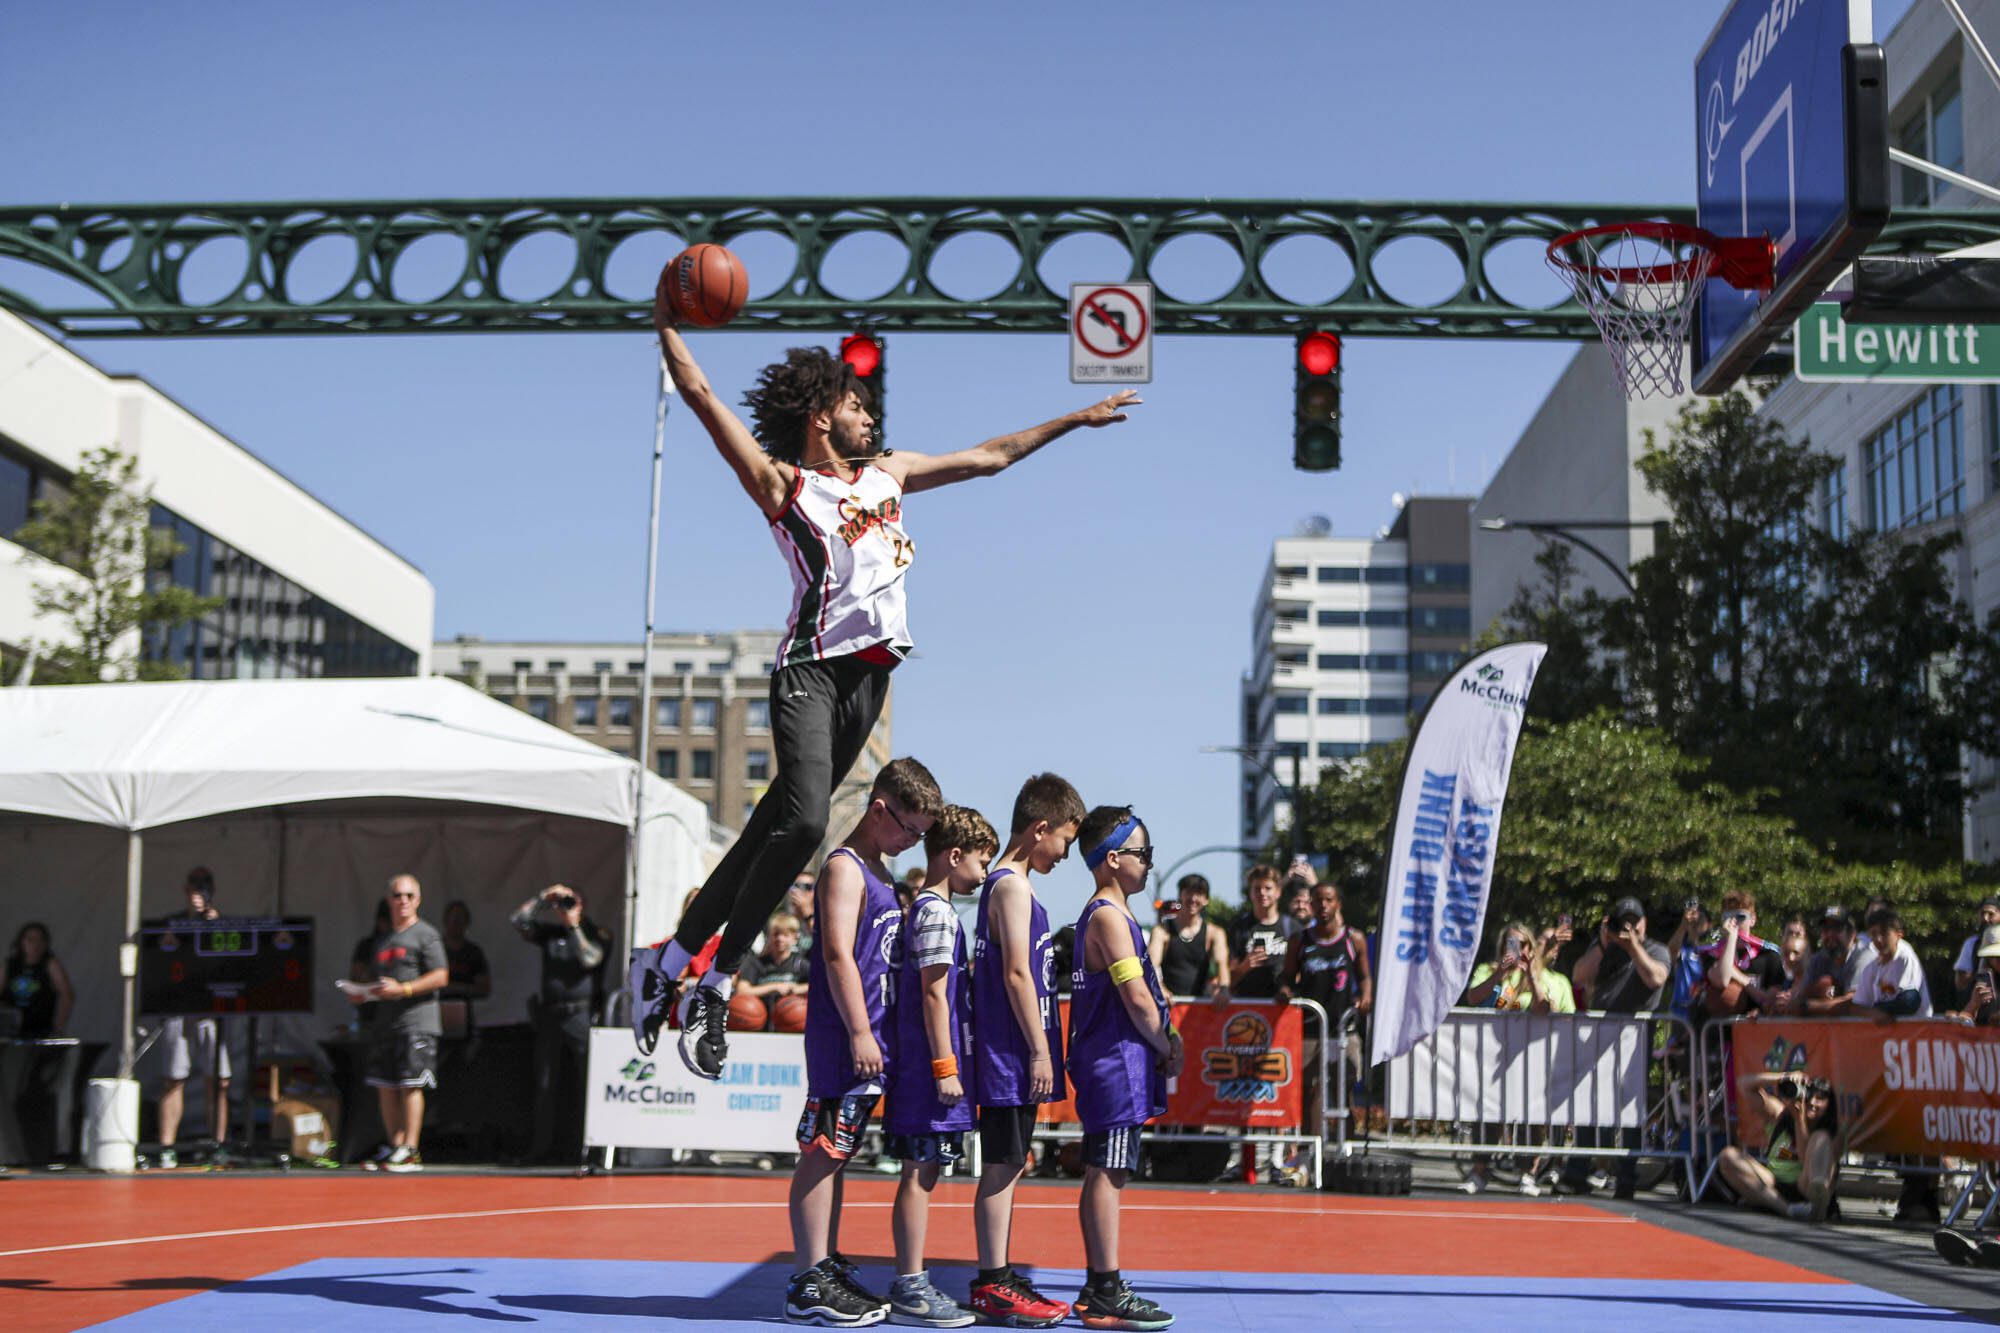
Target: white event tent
(303, 797)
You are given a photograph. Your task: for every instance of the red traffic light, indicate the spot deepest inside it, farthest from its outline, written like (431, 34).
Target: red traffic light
(1319, 353)
(862, 353)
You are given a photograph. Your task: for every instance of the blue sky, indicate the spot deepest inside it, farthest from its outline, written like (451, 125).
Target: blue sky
(1087, 612)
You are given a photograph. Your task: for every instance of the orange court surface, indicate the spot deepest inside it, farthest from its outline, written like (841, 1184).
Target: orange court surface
(308, 1251)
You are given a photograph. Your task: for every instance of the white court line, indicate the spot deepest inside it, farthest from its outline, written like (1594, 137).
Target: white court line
(1444, 1215)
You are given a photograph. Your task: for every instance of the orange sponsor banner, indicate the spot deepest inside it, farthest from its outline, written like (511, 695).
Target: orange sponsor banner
(1926, 1087)
(1244, 1067)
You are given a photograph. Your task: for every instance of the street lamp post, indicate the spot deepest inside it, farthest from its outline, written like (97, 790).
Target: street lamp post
(1293, 790)
(1564, 530)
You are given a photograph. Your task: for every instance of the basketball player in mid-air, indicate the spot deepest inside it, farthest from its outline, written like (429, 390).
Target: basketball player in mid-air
(834, 500)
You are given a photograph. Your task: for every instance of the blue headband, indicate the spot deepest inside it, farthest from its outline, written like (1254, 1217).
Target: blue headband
(1112, 841)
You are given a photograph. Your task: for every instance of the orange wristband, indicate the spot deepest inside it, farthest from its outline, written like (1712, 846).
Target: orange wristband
(945, 1068)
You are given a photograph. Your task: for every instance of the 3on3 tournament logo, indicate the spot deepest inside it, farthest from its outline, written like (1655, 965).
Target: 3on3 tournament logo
(1245, 1068)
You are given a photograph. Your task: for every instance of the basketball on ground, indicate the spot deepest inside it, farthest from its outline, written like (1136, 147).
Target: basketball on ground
(705, 285)
(789, 1013)
(747, 1014)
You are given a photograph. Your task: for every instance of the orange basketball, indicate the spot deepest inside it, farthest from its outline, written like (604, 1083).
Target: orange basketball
(789, 1014)
(1246, 1030)
(705, 285)
(747, 1014)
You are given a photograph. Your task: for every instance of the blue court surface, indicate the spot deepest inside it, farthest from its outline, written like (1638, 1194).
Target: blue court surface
(388, 1295)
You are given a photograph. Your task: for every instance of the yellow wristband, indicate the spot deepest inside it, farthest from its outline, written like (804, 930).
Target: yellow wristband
(1124, 969)
(408, 991)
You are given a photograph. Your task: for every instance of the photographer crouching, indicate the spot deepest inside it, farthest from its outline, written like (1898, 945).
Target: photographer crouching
(574, 949)
(1801, 1147)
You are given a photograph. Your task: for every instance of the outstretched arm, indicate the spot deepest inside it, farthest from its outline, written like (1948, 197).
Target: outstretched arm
(927, 472)
(764, 478)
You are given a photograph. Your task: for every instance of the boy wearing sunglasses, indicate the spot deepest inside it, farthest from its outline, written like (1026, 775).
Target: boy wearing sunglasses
(1122, 1050)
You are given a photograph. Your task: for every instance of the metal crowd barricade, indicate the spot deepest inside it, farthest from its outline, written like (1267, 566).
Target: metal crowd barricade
(1154, 1133)
(1558, 1076)
(1717, 1038)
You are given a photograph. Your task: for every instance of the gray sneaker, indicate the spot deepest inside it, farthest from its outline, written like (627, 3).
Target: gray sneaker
(914, 1301)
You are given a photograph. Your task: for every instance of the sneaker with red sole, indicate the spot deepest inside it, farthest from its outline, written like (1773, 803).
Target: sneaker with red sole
(1012, 1303)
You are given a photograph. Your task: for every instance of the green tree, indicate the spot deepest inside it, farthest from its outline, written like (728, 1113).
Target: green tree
(1553, 611)
(116, 590)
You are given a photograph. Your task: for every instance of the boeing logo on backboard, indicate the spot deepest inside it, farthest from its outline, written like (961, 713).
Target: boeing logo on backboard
(1716, 125)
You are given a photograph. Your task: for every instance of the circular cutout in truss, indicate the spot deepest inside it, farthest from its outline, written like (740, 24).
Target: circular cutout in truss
(1307, 270)
(536, 266)
(1084, 256)
(768, 260)
(427, 268)
(864, 265)
(632, 270)
(1196, 268)
(321, 269)
(215, 268)
(975, 265)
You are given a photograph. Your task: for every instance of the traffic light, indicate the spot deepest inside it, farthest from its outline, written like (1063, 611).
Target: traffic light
(868, 357)
(1316, 403)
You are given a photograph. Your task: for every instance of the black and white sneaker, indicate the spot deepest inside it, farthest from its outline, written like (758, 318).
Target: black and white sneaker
(704, 1016)
(651, 995)
(1120, 1307)
(819, 1296)
(1955, 1247)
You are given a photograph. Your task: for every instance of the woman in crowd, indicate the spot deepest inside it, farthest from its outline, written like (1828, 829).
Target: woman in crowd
(38, 989)
(1801, 1147)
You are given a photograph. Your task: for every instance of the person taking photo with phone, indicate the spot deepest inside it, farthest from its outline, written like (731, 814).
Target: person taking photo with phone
(574, 949)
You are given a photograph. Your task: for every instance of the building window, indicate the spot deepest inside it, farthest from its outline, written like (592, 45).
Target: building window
(540, 707)
(586, 710)
(683, 668)
(601, 667)
(1833, 502)
(701, 765)
(17, 494)
(1914, 465)
(1992, 440)
(1341, 749)
(1441, 578)
(521, 665)
(1934, 132)
(621, 712)
(1337, 707)
(1289, 750)
(1294, 654)
(668, 762)
(757, 714)
(703, 718)
(1338, 619)
(1286, 573)
(1385, 619)
(1290, 703)
(1387, 662)
(1386, 705)
(1433, 664)
(633, 667)
(1340, 661)
(1385, 574)
(1339, 574)
(757, 765)
(768, 667)
(557, 664)
(667, 713)
(1440, 620)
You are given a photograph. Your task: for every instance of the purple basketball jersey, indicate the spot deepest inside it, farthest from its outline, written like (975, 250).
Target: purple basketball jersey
(1000, 1050)
(829, 1059)
(1111, 1067)
(914, 1107)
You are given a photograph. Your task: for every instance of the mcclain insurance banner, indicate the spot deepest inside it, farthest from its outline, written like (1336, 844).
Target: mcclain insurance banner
(1442, 847)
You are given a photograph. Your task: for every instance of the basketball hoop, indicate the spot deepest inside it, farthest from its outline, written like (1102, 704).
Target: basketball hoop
(1638, 281)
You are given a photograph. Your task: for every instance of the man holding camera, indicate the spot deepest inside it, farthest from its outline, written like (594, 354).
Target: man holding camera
(1622, 972)
(574, 949)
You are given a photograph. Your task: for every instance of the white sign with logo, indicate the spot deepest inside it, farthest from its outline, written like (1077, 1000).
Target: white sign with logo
(1444, 840)
(1525, 1069)
(654, 1102)
(1111, 333)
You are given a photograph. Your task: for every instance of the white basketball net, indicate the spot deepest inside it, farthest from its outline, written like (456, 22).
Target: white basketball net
(1640, 292)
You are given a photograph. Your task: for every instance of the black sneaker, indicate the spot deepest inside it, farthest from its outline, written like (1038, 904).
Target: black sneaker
(1119, 1307)
(1955, 1247)
(818, 1296)
(652, 995)
(849, 1274)
(704, 1031)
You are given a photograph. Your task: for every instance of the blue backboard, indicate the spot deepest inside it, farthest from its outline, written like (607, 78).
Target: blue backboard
(1790, 117)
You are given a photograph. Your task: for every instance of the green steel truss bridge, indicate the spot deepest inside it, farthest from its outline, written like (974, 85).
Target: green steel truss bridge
(128, 266)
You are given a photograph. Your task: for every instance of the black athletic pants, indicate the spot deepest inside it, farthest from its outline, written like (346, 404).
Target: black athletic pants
(821, 714)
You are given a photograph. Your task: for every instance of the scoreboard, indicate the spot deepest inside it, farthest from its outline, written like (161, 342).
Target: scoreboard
(229, 965)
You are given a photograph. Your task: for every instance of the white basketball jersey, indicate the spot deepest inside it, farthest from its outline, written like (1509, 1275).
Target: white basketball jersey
(845, 545)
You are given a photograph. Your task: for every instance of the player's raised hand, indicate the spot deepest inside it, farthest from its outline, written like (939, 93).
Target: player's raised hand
(1111, 409)
(664, 317)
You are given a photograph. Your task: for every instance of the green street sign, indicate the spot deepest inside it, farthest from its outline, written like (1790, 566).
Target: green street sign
(1827, 349)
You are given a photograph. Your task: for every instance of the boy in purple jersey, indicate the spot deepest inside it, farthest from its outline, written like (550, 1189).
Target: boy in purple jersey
(849, 999)
(1122, 1050)
(1016, 1040)
(928, 1112)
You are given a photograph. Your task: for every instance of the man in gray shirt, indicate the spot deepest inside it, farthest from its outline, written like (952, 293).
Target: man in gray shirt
(410, 968)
